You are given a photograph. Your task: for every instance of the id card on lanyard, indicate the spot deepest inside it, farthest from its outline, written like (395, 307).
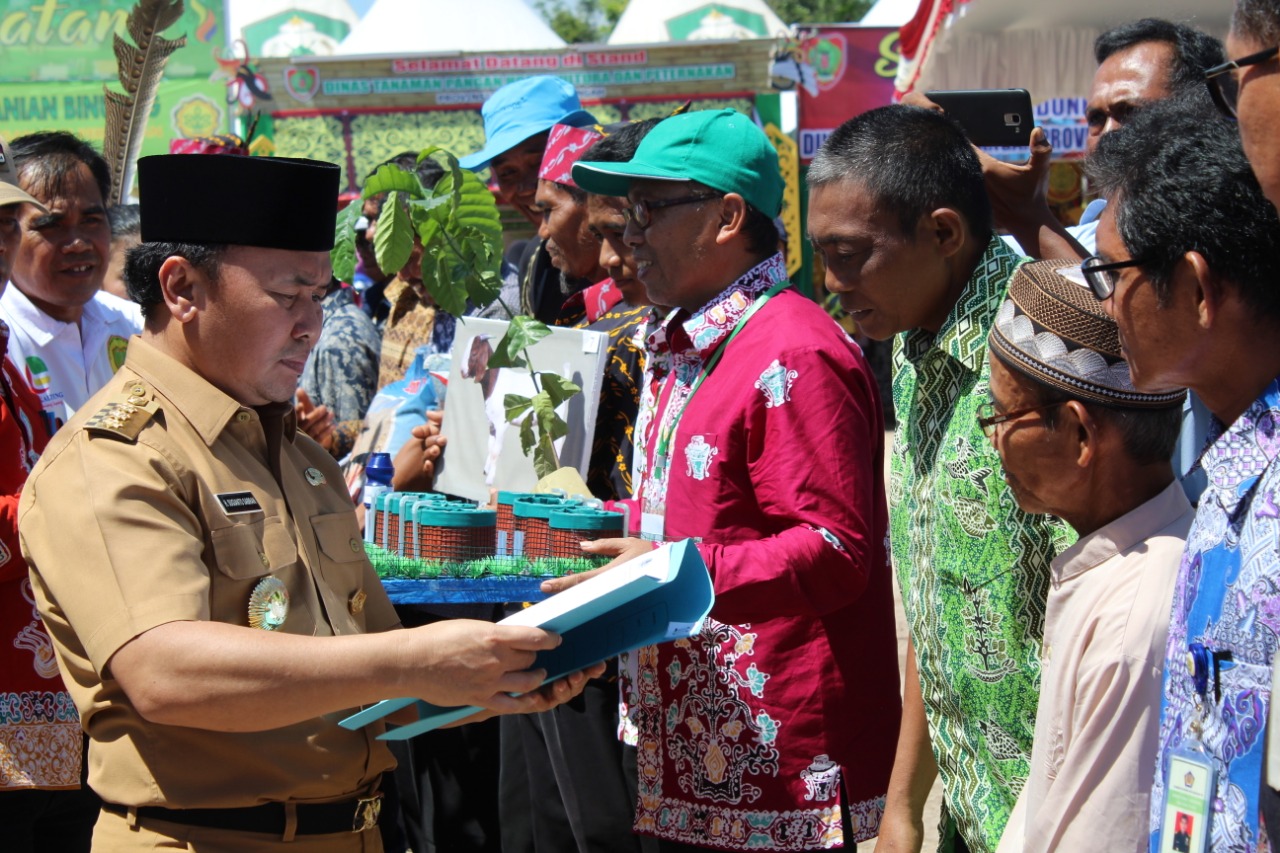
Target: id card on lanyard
(653, 497)
(1191, 777)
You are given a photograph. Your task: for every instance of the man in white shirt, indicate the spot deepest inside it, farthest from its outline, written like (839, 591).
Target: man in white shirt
(67, 335)
(1078, 441)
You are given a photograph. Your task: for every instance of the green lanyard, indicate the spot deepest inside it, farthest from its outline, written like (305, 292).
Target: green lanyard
(665, 435)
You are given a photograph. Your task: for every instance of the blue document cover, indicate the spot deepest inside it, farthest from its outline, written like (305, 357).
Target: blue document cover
(661, 596)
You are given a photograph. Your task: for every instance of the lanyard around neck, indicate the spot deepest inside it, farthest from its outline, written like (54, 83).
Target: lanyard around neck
(666, 432)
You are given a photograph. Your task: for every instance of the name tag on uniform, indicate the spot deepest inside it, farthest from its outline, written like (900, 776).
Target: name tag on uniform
(238, 503)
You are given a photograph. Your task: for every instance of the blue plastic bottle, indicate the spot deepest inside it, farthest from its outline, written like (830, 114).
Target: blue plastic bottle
(377, 479)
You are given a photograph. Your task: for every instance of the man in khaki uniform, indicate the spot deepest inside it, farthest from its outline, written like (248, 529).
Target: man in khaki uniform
(197, 560)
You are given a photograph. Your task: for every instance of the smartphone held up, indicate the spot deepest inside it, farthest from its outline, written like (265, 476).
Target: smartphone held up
(990, 117)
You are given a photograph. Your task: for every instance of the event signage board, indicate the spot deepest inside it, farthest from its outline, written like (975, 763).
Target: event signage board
(466, 80)
(183, 108)
(843, 71)
(71, 40)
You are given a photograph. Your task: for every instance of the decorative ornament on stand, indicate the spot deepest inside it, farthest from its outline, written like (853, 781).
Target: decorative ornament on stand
(140, 66)
(245, 85)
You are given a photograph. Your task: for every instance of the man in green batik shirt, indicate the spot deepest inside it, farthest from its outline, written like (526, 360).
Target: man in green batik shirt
(900, 216)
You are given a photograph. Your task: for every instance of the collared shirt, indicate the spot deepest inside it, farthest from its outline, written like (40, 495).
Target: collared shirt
(1106, 625)
(342, 372)
(749, 731)
(183, 517)
(40, 737)
(66, 363)
(1228, 599)
(609, 468)
(972, 567)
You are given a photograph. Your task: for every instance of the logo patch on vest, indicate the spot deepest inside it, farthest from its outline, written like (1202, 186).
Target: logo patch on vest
(238, 503)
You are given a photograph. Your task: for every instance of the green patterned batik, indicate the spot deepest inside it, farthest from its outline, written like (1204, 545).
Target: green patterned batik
(974, 569)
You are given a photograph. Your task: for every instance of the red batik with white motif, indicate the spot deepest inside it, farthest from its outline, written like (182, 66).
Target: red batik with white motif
(784, 710)
(40, 739)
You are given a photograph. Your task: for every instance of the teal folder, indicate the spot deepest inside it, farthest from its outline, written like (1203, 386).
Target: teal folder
(656, 598)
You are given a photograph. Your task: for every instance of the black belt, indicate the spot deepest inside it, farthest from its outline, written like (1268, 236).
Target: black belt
(354, 815)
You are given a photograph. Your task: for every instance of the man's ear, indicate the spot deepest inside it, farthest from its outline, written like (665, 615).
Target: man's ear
(1085, 429)
(733, 217)
(182, 287)
(947, 230)
(1193, 271)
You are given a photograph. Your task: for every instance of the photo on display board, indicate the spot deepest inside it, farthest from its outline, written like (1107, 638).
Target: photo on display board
(484, 444)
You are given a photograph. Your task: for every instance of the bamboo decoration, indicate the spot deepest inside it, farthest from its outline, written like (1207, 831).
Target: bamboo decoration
(141, 65)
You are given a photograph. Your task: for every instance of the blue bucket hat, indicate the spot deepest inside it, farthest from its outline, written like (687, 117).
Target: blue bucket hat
(523, 109)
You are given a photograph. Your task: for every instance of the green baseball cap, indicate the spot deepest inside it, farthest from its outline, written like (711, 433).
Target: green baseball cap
(722, 149)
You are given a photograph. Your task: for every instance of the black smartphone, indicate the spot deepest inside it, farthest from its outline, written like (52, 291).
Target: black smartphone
(989, 116)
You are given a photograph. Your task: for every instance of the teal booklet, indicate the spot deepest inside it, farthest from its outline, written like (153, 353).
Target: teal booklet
(659, 597)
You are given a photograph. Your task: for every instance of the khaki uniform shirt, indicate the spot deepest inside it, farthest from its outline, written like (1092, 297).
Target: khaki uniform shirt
(124, 530)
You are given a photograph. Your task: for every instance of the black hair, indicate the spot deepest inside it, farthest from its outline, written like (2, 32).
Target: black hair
(1179, 182)
(1258, 21)
(912, 161)
(761, 233)
(142, 269)
(1148, 435)
(620, 146)
(1193, 50)
(46, 161)
(429, 172)
(125, 219)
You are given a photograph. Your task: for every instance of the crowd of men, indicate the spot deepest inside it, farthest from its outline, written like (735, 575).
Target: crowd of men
(1081, 513)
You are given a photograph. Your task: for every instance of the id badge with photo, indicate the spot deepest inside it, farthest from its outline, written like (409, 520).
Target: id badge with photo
(1188, 802)
(653, 504)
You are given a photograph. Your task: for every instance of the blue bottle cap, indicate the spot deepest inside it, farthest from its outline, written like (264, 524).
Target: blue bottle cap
(379, 469)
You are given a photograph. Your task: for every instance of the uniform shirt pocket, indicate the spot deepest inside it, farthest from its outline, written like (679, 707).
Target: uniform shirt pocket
(253, 548)
(343, 568)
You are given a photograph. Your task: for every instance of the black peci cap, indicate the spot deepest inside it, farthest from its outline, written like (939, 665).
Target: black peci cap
(270, 202)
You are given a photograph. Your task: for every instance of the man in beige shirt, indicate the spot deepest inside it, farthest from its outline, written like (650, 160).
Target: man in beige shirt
(1077, 441)
(197, 560)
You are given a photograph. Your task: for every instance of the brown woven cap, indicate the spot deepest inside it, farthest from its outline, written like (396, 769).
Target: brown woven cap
(10, 193)
(1053, 328)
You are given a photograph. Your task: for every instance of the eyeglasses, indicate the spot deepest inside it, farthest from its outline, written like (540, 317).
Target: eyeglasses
(1102, 277)
(1224, 88)
(989, 419)
(641, 211)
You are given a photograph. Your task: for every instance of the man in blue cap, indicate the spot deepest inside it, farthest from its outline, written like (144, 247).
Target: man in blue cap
(517, 120)
(772, 729)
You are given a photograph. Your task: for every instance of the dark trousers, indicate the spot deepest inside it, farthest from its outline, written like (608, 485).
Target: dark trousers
(446, 781)
(34, 821)
(567, 783)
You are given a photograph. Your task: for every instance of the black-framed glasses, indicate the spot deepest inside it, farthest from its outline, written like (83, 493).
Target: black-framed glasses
(1224, 88)
(641, 211)
(1102, 277)
(989, 418)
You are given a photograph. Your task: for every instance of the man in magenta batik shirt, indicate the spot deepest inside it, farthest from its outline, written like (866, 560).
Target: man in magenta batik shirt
(774, 728)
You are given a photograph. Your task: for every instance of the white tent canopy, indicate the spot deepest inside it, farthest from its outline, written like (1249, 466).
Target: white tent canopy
(889, 13)
(296, 31)
(1044, 46)
(448, 26)
(657, 21)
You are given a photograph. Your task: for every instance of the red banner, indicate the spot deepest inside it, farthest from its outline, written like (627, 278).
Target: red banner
(840, 71)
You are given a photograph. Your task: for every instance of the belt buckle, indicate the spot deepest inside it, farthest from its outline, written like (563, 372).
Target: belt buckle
(367, 811)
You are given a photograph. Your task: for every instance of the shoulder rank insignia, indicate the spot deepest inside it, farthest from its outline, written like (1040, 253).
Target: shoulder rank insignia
(126, 417)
